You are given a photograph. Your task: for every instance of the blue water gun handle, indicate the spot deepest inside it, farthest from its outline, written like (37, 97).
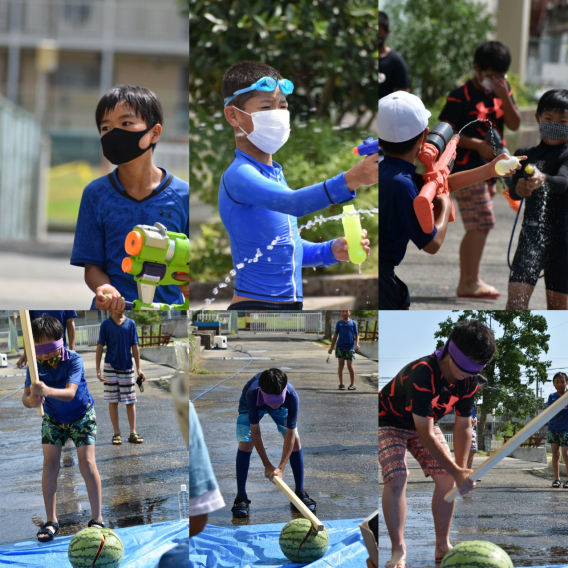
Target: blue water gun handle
(368, 148)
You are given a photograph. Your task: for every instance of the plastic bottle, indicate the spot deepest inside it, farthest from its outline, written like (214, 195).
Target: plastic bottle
(502, 167)
(352, 228)
(183, 497)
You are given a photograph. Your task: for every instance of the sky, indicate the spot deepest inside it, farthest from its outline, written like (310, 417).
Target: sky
(407, 335)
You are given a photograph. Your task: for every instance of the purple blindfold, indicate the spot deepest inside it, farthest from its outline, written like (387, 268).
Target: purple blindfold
(461, 360)
(53, 346)
(271, 399)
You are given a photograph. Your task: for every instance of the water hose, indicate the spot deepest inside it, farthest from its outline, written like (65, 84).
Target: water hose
(241, 350)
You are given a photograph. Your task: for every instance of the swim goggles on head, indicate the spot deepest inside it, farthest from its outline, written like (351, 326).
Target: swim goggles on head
(265, 84)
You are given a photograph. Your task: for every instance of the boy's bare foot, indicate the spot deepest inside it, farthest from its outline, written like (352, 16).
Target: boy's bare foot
(441, 551)
(477, 290)
(398, 558)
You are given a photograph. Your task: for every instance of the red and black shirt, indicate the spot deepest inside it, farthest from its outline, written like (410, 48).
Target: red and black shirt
(420, 388)
(466, 103)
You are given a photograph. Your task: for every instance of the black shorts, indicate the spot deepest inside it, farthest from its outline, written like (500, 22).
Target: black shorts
(535, 253)
(393, 292)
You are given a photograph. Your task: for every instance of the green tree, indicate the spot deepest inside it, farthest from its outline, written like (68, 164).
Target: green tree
(437, 38)
(516, 365)
(146, 317)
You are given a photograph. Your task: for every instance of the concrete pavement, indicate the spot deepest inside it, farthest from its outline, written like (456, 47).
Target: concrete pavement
(140, 483)
(433, 279)
(338, 429)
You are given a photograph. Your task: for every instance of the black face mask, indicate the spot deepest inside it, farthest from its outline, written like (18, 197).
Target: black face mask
(381, 41)
(121, 146)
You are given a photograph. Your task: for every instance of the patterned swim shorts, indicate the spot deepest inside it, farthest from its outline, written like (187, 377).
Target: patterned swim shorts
(393, 443)
(119, 385)
(83, 432)
(347, 354)
(560, 438)
(476, 206)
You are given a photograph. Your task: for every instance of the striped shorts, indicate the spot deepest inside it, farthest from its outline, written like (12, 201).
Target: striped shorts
(393, 443)
(119, 385)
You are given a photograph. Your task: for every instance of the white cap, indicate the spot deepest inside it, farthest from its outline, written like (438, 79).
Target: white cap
(402, 116)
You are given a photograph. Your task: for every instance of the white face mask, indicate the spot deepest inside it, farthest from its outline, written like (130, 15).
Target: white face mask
(271, 129)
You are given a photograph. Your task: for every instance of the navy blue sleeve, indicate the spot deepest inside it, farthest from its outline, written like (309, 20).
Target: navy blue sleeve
(102, 334)
(247, 186)
(75, 371)
(70, 314)
(251, 405)
(318, 254)
(404, 204)
(88, 246)
(337, 328)
(134, 340)
(293, 407)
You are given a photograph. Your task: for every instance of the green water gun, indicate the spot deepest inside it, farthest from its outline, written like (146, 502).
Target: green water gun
(155, 255)
(352, 227)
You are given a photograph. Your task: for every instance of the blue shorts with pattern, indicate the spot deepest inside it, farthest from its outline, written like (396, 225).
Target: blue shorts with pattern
(560, 438)
(279, 416)
(347, 354)
(83, 432)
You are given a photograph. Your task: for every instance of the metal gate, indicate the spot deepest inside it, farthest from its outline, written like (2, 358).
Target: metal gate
(284, 322)
(87, 334)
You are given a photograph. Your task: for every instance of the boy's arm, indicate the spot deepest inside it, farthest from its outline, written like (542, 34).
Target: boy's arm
(441, 223)
(286, 453)
(136, 353)
(356, 341)
(501, 88)
(29, 400)
(334, 339)
(259, 446)
(108, 297)
(65, 395)
(462, 440)
(71, 333)
(98, 358)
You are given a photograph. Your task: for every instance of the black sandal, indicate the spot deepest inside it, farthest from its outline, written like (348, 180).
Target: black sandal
(556, 483)
(44, 530)
(305, 499)
(341, 387)
(99, 524)
(241, 504)
(565, 485)
(351, 388)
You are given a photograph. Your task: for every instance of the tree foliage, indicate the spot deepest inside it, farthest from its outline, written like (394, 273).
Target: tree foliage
(437, 38)
(516, 365)
(327, 48)
(146, 317)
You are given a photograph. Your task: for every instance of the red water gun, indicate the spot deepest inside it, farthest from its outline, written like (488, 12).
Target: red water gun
(438, 155)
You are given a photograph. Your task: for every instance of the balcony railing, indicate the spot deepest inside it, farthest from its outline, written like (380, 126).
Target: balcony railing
(134, 26)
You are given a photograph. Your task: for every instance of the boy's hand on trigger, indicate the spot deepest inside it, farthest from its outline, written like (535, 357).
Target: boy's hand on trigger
(142, 375)
(525, 188)
(182, 277)
(109, 298)
(340, 248)
(364, 172)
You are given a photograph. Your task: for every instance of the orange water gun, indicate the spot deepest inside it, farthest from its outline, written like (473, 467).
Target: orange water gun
(438, 155)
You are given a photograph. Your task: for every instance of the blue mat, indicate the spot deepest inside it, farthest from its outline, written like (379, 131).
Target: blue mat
(143, 547)
(257, 546)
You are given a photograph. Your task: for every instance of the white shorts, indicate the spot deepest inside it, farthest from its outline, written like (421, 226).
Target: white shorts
(120, 386)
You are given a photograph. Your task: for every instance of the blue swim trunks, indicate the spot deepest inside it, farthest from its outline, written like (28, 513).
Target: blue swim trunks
(279, 416)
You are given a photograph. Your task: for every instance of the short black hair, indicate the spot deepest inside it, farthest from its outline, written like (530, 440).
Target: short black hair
(273, 381)
(561, 375)
(493, 55)
(475, 340)
(384, 21)
(400, 148)
(555, 99)
(242, 75)
(140, 100)
(46, 327)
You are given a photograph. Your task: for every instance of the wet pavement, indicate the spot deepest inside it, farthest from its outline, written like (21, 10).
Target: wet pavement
(514, 506)
(338, 429)
(140, 483)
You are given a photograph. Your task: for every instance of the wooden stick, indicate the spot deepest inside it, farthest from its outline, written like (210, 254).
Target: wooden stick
(295, 500)
(30, 350)
(521, 436)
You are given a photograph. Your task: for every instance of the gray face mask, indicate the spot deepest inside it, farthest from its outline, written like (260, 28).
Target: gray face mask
(554, 130)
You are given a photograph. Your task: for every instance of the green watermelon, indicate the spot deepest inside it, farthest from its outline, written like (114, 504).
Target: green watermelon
(301, 543)
(95, 548)
(477, 554)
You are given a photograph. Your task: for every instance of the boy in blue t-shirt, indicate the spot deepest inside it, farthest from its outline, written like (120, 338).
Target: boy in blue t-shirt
(68, 413)
(403, 131)
(204, 494)
(347, 339)
(137, 192)
(119, 335)
(256, 205)
(558, 428)
(269, 393)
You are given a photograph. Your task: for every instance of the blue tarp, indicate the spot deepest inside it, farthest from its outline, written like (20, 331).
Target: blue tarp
(143, 547)
(257, 546)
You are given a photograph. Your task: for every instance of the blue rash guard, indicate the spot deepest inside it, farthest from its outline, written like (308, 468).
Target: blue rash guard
(107, 214)
(257, 206)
